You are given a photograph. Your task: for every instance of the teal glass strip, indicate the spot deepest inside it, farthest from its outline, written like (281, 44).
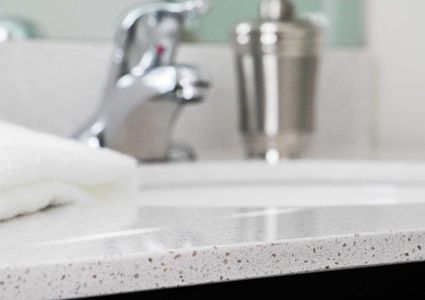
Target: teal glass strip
(345, 19)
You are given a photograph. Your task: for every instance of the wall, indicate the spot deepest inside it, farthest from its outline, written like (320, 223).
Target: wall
(397, 41)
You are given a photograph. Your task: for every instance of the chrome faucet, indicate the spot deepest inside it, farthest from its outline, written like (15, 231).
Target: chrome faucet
(145, 90)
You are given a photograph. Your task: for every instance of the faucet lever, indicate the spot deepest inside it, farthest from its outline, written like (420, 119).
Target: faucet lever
(148, 35)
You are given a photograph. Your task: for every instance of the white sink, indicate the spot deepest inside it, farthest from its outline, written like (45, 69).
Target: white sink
(289, 184)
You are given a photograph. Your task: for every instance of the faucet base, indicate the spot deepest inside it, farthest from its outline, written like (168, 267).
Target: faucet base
(176, 153)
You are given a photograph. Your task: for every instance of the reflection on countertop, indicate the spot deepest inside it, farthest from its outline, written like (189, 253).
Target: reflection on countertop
(168, 237)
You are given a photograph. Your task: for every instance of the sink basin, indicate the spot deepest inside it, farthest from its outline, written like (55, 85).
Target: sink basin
(289, 184)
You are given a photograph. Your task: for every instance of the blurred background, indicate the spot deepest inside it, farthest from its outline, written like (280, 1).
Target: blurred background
(388, 31)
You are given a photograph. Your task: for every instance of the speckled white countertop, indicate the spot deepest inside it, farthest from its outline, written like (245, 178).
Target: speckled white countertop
(220, 231)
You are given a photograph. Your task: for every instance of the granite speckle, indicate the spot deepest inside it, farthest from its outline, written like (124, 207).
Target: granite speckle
(137, 247)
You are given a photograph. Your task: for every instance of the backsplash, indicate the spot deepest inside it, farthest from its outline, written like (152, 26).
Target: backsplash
(54, 87)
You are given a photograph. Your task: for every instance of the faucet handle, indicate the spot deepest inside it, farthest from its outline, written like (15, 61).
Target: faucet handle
(149, 34)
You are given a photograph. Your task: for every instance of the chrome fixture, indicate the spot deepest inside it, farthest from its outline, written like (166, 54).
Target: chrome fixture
(15, 28)
(146, 90)
(277, 62)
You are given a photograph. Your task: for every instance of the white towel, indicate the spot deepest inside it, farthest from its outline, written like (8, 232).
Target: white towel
(38, 170)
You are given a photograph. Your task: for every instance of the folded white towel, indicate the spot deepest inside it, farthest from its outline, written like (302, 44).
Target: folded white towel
(38, 170)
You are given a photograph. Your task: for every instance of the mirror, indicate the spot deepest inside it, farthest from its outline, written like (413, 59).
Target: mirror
(98, 19)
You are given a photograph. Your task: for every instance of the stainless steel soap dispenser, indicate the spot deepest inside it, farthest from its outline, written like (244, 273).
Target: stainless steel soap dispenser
(277, 64)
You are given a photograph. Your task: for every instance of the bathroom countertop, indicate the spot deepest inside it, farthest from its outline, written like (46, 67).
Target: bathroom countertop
(113, 246)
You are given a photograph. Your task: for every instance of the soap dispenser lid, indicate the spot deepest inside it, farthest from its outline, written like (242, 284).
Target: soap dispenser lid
(278, 29)
(276, 10)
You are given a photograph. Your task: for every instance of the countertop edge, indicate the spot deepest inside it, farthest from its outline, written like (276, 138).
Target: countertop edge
(185, 267)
